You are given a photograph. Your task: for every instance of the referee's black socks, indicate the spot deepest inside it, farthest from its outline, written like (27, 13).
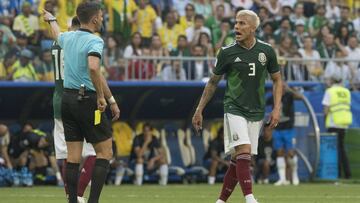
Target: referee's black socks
(98, 179)
(72, 177)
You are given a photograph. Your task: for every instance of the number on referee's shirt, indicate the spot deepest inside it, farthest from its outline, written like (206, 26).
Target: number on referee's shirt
(59, 64)
(252, 69)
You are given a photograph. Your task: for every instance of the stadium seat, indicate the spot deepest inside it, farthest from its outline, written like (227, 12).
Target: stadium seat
(169, 141)
(181, 156)
(196, 143)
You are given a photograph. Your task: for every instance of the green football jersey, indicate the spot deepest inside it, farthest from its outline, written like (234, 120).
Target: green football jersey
(58, 60)
(246, 71)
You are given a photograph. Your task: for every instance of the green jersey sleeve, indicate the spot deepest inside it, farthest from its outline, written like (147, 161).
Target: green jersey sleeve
(220, 63)
(273, 65)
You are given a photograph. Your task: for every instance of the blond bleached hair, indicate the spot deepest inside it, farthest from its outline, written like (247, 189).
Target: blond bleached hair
(252, 14)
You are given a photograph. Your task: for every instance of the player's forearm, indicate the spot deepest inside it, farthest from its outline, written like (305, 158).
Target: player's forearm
(6, 157)
(96, 80)
(142, 150)
(208, 93)
(106, 89)
(55, 29)
(277, 91)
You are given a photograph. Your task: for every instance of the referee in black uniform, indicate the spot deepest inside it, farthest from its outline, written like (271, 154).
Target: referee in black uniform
(83, 101)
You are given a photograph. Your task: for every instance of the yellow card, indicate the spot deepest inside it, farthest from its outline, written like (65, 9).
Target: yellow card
(97, 118)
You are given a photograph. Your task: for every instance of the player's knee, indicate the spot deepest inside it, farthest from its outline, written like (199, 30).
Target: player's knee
(242, 149)
(3, 129)
(291, 153)
(280, 152)
(139, 160)
(104, 154)
(162, 161)
(72, 158)
(214, 163)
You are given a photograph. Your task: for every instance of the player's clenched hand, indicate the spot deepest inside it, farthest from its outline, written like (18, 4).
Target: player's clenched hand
(101, 104)
(197, 121)
(115, 111)
(47, 15)
(274, 118)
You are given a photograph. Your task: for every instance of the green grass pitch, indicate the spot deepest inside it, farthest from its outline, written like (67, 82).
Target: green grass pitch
(194, 193)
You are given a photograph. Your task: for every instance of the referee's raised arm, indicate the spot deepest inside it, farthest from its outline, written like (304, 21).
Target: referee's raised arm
(51, 19)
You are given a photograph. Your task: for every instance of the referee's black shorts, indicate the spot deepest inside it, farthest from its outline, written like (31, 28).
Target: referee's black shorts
(78, 118)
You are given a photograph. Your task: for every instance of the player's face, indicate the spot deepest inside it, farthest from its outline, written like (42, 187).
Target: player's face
(147, 132)
(244, 28)
(98, 19)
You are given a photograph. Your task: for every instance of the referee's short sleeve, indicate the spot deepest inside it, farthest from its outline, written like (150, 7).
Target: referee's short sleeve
(60, 39)
(96, 47)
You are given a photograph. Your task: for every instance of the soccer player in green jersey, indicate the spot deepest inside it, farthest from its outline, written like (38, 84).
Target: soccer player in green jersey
(246, 64)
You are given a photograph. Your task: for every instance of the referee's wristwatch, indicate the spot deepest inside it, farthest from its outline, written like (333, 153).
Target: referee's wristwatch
(51, 20)
(111, 100)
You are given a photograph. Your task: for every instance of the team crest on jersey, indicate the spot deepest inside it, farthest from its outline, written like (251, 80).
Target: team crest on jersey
(262, 58)
(235, 136)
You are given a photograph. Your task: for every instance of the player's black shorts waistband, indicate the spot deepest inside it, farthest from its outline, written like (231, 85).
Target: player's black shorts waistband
(76, 91)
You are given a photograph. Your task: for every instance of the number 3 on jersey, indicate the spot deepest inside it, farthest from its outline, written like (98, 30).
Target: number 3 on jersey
(59, 63)
(252, 69)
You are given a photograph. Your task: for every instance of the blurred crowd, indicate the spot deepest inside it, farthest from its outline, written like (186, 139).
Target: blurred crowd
(27, 155)
(298, 29)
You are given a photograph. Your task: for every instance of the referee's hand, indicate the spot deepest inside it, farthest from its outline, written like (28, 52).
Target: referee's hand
(47, 15)
(101, 104)
(115, 111)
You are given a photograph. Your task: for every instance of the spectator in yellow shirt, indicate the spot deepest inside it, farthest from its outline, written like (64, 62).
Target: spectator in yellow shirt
(7, 65)
(23, 69)
(66, 10)
(46, 38)
(45, 70)
(27, 23)
(121, 17)
(187, 20)
(170, 31)
(144, 21)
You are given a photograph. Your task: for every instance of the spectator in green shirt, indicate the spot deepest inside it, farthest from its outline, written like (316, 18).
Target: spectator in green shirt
(317, 21)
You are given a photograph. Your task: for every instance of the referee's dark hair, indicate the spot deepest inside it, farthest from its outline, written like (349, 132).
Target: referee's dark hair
(75, 21)
(86, 10)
